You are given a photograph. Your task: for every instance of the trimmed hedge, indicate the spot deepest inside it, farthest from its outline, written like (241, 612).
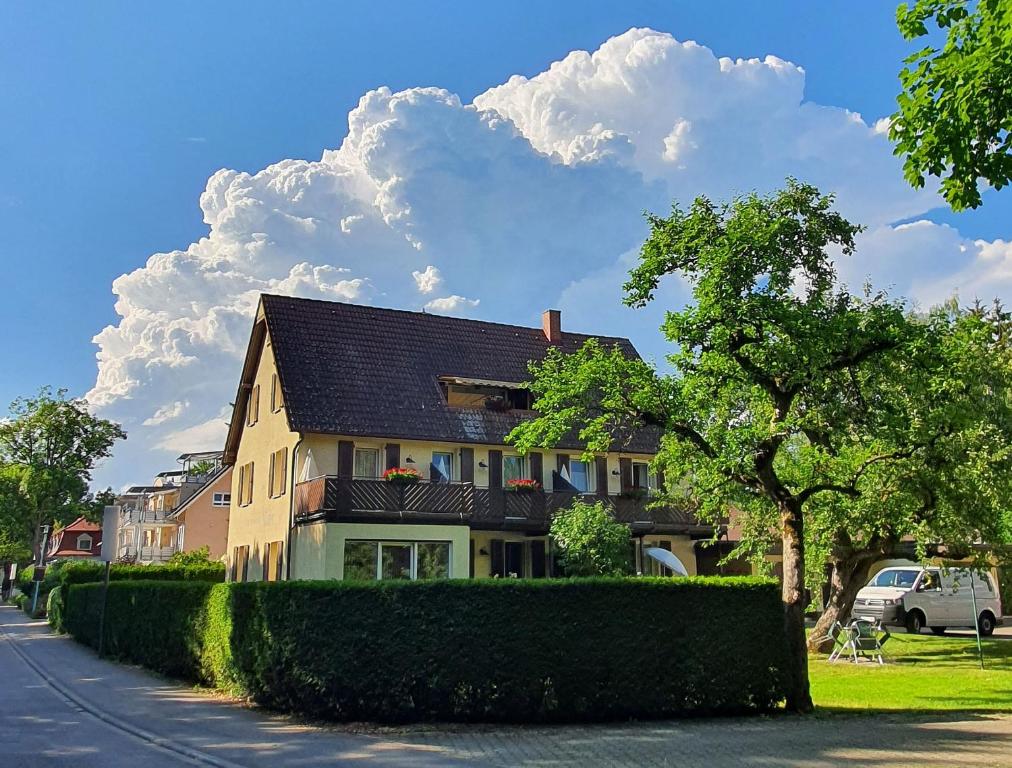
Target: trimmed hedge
(491, 650)
(88, 571)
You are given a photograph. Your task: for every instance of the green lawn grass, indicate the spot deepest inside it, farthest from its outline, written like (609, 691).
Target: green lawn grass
(922, 673)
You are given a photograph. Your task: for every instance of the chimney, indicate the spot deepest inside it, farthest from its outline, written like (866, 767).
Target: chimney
(551, 324)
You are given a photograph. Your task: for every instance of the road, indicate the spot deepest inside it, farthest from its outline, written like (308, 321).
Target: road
(60, 705)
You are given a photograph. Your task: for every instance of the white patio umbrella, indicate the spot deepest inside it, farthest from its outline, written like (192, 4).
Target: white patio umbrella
(667, 559)
(309, 470)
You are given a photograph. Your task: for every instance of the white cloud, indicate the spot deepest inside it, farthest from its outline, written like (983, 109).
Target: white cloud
(206, 436)
(528, 198)
(166, 413)
(428, 280)
(451, 305)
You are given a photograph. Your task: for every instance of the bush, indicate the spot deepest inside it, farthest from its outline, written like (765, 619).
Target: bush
(590, 541)
(55, 609)
(87, 571)
(492, 650)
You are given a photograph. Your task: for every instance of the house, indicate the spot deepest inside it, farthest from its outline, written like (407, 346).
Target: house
(80, 540)
(147, 531)
(333, 394)
(202, 520)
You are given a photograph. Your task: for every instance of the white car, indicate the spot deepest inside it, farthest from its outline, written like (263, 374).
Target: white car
(918, 597)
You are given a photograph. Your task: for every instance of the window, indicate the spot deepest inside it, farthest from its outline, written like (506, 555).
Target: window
(366, 462)
(494, 398)
(513, 468)
(581, 475)
(253, 406)
(891, 578)
(240, 563)
(279, 467)
(273, 561)
(246, 484)
(277, 401)
(372, 560)
(441, 470)
(641, 475)
(84, 541)
(221, 499)
(157, 537)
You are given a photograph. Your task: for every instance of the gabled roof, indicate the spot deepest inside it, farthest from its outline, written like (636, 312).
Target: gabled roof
(364, 371)
(199, 492)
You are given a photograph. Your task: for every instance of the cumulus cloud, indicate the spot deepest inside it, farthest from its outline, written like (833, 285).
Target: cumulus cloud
(529, 197)
(428, 280)
(451, 305)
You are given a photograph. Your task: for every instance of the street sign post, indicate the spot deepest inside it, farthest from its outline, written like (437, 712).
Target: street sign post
(40, 569)
(110, 527)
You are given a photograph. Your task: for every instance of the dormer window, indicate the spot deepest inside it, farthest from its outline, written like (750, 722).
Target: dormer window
(484, 394)
(84, 542)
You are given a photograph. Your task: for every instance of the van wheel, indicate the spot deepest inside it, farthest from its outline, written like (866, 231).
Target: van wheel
(986, 624)
(938, 630)
(915, 622)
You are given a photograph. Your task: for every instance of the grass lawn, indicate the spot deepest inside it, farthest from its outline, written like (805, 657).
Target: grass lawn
(922, 673)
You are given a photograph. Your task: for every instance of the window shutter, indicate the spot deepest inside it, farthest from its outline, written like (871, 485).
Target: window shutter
(467, 465)
(625, 473)
(537, 559)
(270, 489)
(602, 475)
(497, 549)
(537, 467)
(664, 545)
(495, 469)
(345, 458)
(470, 561)
(393, 456)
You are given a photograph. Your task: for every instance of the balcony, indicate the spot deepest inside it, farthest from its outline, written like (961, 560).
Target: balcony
(137, 516)
(339, 499)
(152, 554)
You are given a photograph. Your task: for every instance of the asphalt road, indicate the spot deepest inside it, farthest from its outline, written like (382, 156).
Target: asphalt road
(62, 705)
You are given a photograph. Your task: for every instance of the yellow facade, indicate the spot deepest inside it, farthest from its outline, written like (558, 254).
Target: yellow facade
(264, 519)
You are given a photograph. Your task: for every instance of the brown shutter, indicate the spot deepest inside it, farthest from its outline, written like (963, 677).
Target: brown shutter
(625, 473)
(664, 545)
(537, 559)
(602, 475)
(470, 561)
(537, 467)
(497, 551)
(345, 458)
(393, 456)
(467, 465)
(495, 469)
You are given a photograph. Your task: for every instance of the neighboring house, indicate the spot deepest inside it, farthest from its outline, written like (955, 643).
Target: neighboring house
(333, 394)
(80, 540)
(202, 520)
(147, 532)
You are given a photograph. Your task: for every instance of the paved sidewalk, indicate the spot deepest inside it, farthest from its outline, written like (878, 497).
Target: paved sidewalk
(119, 715)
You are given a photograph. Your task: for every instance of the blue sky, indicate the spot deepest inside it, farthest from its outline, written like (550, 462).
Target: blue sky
(116, 114)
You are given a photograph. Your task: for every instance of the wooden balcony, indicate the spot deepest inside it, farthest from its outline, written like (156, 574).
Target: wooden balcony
(337, 499)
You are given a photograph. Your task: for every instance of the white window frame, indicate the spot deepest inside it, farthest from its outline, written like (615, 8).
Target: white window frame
(521, 461)
(432, 462)
(91, 541)
(650, 478)
(221, 499)
(376, 464)
(591, 474)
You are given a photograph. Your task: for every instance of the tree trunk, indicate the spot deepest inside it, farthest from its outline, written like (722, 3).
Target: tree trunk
(849, 574)
(799, 697)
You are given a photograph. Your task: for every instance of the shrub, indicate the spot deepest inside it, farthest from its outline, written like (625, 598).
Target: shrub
(590, 541)
(491, 650)
(55, 609)
(201, 556)
(86, 571)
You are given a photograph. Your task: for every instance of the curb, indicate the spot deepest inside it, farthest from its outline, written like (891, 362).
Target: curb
(167, 745)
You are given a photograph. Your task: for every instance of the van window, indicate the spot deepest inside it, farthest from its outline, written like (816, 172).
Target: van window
(894, 579)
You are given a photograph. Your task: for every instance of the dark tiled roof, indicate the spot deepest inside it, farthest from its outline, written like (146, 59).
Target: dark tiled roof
(363, 371)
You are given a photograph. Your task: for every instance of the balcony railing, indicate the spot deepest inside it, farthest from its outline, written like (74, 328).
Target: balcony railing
(339, 499)
(145, 554)
(135, 516)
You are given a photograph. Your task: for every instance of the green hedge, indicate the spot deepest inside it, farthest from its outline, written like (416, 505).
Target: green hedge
(492, 650)
(495, 650)
(87, 571)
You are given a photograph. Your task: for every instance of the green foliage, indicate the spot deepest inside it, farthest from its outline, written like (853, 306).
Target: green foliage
(87, 571)
(48, 446)
(204, 467)
(55, 607)
(590, 541)
(955, 109)
(492, 650)
(200, 556)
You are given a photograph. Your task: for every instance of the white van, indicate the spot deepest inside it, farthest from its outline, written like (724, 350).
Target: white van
(916, 597)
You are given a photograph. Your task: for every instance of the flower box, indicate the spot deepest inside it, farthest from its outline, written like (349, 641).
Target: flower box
(634, 492)
(523, 485)
(401, 476)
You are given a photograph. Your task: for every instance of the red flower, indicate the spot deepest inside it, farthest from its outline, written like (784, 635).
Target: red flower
(523, 484)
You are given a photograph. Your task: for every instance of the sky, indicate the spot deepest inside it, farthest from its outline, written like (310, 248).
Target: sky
(162, 164)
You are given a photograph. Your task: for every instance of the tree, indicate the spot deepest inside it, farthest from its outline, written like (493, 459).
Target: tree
(201, 556)
(204, 467)
(53, 443)
(762, 353)
(955, 109)
(590, 541)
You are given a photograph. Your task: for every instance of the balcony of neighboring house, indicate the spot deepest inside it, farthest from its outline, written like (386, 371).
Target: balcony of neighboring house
(343, 499)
